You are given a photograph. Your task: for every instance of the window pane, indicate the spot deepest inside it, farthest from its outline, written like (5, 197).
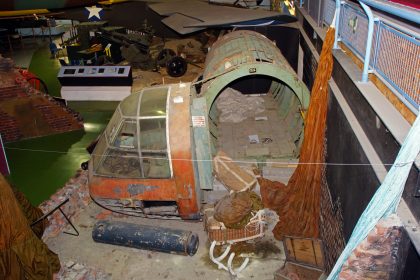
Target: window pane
(112, 127)
(156, 165)
(127, 135)
(120, 163)
(153, 135)
(98, 152)
(153, 102)
(129, 105)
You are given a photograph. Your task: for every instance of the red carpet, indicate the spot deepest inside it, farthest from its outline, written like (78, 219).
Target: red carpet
(409, 3)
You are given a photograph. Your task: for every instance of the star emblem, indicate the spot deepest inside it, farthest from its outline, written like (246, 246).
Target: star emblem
(94, 12)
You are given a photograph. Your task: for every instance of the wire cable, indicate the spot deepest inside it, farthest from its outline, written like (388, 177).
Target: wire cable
(288, 163)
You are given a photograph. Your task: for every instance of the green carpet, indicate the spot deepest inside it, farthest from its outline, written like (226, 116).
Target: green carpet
(46, 69)
(42, 165)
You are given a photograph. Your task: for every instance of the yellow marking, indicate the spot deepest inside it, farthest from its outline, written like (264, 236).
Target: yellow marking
(110, 2)
(23, 12)
(290, 7)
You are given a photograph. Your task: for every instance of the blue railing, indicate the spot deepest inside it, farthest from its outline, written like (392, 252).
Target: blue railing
(395, 51)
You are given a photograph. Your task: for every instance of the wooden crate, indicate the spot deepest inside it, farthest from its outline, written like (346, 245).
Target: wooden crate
(305, 251)
(292, 271)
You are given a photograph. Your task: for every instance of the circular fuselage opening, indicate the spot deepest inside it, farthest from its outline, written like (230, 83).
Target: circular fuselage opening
(257, 117)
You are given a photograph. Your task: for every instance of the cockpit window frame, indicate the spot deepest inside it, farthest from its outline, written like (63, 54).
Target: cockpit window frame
(110, 138)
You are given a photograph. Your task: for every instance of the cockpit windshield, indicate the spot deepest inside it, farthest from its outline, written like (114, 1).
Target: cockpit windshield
(135, 144)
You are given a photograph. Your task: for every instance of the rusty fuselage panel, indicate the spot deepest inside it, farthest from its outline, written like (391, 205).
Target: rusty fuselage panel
(163, 162)
(179, 187)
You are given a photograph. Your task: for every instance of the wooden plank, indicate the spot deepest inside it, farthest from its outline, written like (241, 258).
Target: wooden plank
(290, 252)
(296, 271)
(304, 251)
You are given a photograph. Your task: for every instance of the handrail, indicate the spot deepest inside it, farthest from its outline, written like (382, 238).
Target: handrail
(301, 3)
(371, 23)
(410, 14)
(337, 23)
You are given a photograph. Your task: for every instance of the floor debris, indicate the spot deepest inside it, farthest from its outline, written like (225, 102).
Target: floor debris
(76, 189)
(232, 107)
(105, 261)
(76, 271)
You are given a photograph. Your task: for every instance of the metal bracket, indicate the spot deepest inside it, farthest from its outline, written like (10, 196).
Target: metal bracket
(65, 216)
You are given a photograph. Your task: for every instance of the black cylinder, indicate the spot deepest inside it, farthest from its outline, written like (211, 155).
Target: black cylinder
(146, 237)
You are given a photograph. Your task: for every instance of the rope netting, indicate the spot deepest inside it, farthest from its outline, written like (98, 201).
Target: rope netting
(299, 203)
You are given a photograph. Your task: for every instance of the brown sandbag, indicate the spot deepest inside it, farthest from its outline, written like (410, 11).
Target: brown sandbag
(235, 210)
(22, 254)
(231, 175)
(272, 193)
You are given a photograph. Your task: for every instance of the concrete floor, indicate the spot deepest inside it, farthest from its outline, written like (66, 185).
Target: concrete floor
(128, 263)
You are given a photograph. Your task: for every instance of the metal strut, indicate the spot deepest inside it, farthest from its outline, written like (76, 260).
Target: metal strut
(65, 216)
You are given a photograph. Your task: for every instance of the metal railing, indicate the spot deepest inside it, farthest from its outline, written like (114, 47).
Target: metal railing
(395, 52)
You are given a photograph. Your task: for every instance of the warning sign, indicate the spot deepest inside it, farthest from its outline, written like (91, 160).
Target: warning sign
(198, 121)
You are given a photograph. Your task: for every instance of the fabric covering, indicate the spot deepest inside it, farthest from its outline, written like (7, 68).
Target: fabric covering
(235, 107)
(235, 210)
(31, 213)
(298, 204)
(22, 254)
(271, 193)
(232, 176)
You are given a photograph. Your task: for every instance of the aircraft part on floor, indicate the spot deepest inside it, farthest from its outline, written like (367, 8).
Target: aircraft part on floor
(131, 163)
(134, 207)
(164, 56)
(157, 147)
(245, 58)
(247, 53)
(146, 237)
(176, 66)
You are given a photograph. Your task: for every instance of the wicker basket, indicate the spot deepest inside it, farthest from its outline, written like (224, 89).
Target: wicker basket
(217, 231)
